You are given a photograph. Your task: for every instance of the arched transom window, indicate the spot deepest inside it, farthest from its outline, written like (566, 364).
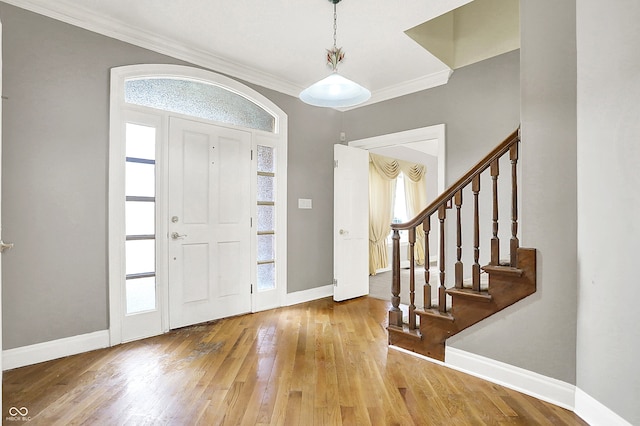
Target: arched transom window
(198, 99)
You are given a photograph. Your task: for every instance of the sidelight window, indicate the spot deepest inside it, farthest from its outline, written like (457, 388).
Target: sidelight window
(140, 213)
(266, 218)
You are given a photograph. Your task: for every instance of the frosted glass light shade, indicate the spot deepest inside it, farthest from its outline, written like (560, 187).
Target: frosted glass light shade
(335, 91)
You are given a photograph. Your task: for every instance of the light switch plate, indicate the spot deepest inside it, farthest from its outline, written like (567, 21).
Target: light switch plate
(304, 203)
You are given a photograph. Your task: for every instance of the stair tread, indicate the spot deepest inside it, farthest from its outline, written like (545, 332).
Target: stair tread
(470, 293)
(503, 269)
(435, 313)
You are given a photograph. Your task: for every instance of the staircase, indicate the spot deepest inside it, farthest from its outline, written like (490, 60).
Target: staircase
(468, 301)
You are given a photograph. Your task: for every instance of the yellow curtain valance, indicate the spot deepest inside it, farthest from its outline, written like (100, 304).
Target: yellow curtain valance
(383, 172)
(390, 168)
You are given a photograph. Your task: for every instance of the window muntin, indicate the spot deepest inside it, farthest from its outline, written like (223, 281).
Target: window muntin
(198, 99)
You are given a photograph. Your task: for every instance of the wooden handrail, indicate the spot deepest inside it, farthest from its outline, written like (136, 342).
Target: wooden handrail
(439, 206)
(443, 198)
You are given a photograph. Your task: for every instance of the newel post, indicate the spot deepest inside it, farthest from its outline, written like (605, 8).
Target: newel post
(395, 314)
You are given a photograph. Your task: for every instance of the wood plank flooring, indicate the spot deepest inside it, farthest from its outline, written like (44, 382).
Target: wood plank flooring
(317, 363)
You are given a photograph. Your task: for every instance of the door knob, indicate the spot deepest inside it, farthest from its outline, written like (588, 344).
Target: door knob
(5, 246)
(177, 236)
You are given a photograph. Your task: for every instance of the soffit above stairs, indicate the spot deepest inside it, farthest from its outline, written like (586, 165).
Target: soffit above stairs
(471, 33)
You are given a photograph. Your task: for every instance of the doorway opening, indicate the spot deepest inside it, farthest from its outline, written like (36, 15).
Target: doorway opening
(425, 146)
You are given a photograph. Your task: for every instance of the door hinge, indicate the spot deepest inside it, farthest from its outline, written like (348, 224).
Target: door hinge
(335, 282)
(251, 288)
(251, 155)
(251, 222)
(335, 164)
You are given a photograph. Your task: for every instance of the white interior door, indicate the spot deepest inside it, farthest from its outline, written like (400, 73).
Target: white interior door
(209, 229)
(350, 223)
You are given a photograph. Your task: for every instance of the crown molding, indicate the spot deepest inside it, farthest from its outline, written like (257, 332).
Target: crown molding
(62, 10)
(84, 18)
(408, 87)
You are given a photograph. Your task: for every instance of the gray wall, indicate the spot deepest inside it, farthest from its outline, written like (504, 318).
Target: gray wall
(539, 333)
(480, 107)
(609, 203)
(312, 133)
(54, 189)
(54, 183)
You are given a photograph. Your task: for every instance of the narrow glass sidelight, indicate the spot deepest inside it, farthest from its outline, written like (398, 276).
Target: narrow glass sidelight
(137, 215)
(266, 220)
(266, 159)
(140, 213)
(139, 293)
(266, 216)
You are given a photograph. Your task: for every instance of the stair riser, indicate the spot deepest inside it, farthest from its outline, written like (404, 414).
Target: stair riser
(505, 289)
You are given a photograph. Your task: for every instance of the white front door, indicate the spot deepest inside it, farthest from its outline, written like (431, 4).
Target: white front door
(209, 222)
(350, 222)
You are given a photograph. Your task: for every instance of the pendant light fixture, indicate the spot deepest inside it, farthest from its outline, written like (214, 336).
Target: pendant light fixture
(335, 91)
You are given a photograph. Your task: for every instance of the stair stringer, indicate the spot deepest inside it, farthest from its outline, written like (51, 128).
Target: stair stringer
(507, 285)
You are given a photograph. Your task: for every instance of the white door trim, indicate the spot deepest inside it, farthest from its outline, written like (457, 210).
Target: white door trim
(435, 133)
(116, 178)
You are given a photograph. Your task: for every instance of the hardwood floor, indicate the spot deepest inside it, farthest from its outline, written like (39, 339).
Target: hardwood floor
(317, 363)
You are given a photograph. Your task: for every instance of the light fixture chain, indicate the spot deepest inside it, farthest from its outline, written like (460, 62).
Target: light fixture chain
(335, 55)
(335, 26)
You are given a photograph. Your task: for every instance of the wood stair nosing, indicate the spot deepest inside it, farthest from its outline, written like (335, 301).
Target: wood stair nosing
(467, 293)
(435, 313)
(504, 270)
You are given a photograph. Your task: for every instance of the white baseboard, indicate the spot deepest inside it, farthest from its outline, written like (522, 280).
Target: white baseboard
(542, 387)
(593, 412)
(309, 295)
(46, 351)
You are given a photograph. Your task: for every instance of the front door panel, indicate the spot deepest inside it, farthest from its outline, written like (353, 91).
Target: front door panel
(209, 229)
